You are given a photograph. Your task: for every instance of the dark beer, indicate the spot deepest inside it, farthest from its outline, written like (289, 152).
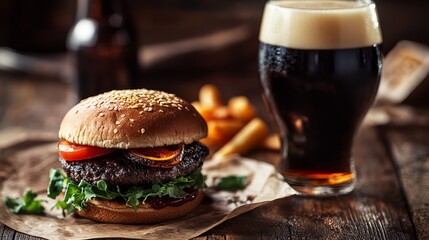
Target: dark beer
(104, 48)
(320, 97)
(318, 88)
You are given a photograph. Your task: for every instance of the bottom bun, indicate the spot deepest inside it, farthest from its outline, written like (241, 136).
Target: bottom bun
(113, 212)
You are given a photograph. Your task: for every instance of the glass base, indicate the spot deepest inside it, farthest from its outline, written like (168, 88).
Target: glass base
(321, 185)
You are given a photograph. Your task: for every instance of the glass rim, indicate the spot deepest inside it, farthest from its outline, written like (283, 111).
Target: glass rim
(360, 4)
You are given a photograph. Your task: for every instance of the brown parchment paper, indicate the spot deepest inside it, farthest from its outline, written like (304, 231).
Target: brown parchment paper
(26, 165)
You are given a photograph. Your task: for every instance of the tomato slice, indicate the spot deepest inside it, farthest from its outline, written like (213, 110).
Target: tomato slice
(74, 152)
(165, 153)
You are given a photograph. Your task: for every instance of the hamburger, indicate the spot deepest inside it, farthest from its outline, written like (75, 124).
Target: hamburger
(131, 157)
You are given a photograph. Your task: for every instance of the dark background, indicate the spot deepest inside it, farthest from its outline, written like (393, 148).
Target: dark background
(41, 27)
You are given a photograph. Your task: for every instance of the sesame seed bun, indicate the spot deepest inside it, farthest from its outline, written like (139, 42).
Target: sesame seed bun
(133, 119)
(113, 212)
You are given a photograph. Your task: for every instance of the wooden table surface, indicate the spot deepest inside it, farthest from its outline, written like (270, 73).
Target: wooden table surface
(391, 199)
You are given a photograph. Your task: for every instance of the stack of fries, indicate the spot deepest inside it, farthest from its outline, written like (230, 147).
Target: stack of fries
(233, 128)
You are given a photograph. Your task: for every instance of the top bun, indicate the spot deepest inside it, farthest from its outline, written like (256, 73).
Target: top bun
(133, 119)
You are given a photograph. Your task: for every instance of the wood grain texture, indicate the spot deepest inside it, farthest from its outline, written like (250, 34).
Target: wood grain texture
(375, 210)
(7, 233)
(410, 151)
(36, 103)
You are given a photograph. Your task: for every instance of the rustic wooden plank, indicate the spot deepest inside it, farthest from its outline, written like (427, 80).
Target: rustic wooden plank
(6, 232)
(2, 226)
(23, 236)
(410, 152)
(375, 210)
(36, 103)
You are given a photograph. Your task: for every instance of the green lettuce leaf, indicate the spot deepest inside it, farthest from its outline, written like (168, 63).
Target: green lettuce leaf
(232, 183)
(77, 195)
(57, 183)
(28, 204)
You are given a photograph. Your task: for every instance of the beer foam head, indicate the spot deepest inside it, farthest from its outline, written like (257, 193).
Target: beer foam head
(320, 24)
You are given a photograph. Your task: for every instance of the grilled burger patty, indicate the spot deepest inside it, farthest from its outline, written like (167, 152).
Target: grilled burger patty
(118, 169)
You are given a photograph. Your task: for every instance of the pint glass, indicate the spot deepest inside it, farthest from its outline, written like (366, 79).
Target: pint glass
(320, 65)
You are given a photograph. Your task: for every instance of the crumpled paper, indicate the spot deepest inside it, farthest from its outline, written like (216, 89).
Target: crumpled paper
(25, 166)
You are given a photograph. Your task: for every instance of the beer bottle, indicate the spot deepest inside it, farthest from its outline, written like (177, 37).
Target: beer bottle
(104, 48)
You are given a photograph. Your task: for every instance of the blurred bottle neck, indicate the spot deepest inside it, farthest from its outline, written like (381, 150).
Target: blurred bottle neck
(102, 21)
(99, 9)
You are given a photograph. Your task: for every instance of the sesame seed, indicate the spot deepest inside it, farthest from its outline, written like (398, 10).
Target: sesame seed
(101, 114)
(143, 99)
(142, 130)
(132, 120)
(123, 115)
(115, 130)
(118, 122)
(160, 110)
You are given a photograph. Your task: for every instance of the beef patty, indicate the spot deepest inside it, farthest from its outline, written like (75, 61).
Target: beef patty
(117, 169)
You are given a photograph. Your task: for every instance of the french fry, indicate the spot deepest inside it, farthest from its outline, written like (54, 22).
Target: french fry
(248, 137)
(220, 132)
(241, 108)
(223, 130)
(211, 143)
(224, 121)
(221, 113)
(271, 142)
(205, 112)
(210, 96)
